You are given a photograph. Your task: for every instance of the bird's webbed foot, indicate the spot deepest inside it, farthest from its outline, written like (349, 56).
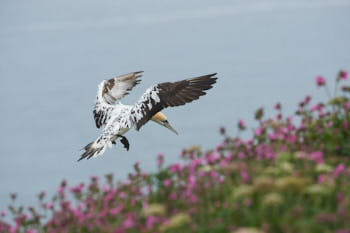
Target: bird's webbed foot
(124, 141)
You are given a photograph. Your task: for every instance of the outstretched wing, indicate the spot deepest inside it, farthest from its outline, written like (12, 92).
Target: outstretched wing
(116, 88)
(169, 94)
(109, 91)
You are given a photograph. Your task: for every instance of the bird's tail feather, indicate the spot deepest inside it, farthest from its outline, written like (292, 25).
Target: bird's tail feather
(94, 149)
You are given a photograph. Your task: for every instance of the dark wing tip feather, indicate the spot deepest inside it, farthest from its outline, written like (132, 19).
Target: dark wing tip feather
(196, 87)
(176, 94)
(186, 91)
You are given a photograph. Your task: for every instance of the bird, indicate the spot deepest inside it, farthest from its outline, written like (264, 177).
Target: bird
(115, 119)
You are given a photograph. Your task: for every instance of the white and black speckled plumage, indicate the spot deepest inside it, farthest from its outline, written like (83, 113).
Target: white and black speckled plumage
(117, 119)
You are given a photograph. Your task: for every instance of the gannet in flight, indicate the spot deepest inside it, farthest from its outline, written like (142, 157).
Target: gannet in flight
(116, 118)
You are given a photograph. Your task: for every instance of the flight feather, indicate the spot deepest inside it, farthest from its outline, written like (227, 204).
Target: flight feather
(169, 94)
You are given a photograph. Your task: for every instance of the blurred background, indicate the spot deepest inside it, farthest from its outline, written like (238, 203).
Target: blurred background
(55, 53)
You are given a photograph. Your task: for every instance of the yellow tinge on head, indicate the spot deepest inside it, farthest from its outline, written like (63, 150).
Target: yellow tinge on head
(159, 117)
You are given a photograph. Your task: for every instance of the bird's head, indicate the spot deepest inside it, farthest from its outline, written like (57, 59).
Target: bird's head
(161, 119)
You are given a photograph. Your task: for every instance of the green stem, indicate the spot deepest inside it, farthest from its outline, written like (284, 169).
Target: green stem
(328, 92)
(336, 88)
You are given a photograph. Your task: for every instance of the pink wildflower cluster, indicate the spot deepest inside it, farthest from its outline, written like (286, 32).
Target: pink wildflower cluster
(320, 81)
(291, 175)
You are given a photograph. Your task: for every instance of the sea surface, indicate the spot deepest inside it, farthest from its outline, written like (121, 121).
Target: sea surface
(53, 54)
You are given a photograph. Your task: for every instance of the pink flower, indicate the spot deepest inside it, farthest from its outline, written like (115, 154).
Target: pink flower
(77, 189)
(317, 157)
(122, 195)
(212, 158)
(228, 158)
(14, 229)
(127, 182)
(3, 213)
(105, 188)
(340, 196)
(193, 164)
(60, 190)
(244, 175)
(301, 155)
(307, 99)
(241, 122)
(346, 105)
(221, 146)
(248, 202)
(116, 210)
(31, 231)
(321, 179)
(258, 131)
(213, 174)
(49, 205)
(330, 124)
(193, 198)
(277, 106)
(110, 195)
(241, 125)
(343, 75)
(241, 155)
(167, 182)
(320, 81)
(271, 136)
(283, 148)
(150, 221)
(292, 138)
(299, 111)
(173, 196)
(129, 222)
(175, 167)
(191, 180)
(182, 153)
(339, 169)
(78, 214)
(269, 154)
(160, 159)
(322, 114)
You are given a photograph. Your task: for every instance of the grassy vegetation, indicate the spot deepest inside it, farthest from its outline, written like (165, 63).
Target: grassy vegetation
(293, 175)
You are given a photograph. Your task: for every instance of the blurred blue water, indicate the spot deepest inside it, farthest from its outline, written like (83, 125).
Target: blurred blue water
(53, 55)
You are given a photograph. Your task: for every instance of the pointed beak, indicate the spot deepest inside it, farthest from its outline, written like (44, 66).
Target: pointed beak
(166, 124)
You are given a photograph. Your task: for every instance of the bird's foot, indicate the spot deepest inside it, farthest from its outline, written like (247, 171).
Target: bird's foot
(124, 141)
